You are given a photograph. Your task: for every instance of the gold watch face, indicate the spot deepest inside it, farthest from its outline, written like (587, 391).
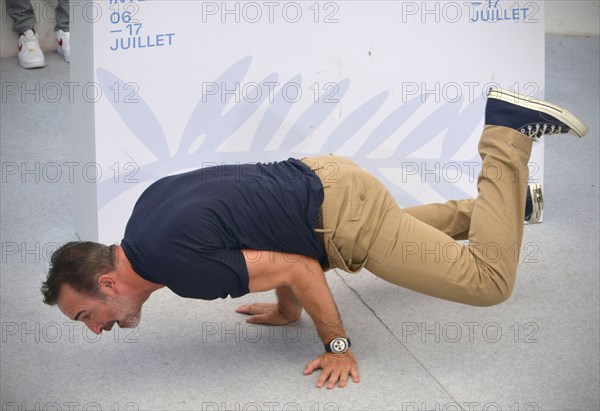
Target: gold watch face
(338, 345)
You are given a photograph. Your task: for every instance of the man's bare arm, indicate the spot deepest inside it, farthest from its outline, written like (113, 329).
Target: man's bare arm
(288, 303)
(298, 279)
(306, 280)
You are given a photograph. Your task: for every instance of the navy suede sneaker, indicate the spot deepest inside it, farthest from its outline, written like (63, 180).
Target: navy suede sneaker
(534, 204)
(532, 117)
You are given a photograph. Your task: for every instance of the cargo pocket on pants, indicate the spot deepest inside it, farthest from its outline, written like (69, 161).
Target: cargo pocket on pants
(336, 260)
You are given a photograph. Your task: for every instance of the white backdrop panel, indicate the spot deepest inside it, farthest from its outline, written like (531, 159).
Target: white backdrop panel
(397, 86)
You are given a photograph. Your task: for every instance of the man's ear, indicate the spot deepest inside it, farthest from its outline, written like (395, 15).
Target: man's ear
(107, 283)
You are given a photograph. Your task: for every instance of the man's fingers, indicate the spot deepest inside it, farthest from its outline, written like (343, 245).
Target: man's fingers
(343, 379)
(250, 309)
(333, 378)
(256, 308)
(354, 374)
(254, 319)
(334, 370)
(268, 319)
(243, 309)
(323, 377)
(311, 366)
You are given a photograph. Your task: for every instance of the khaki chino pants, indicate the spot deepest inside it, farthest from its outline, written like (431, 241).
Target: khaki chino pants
(416, 248)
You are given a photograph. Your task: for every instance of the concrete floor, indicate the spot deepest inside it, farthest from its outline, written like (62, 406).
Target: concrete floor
(539, 350)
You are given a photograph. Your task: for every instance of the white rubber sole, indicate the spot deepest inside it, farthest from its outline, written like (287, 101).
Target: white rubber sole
(577, 127)
(32, 64)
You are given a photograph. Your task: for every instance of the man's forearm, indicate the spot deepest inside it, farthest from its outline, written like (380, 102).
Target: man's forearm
(288, 303)
(311, 289)
(300, 279)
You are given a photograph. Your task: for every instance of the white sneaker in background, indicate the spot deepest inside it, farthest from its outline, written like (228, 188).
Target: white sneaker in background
(64, 44)
(30, 54)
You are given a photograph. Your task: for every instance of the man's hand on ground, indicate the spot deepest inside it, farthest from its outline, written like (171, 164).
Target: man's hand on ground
(300, 283)
(335, 368)
(270, 314)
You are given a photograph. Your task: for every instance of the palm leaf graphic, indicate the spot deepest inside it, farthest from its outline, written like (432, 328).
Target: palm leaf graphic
(274, 117)
(313, 117)
(210, 119)
(138, 117)
(354, 122)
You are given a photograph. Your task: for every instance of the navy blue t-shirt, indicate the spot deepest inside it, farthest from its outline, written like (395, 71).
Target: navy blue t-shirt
(187, 231)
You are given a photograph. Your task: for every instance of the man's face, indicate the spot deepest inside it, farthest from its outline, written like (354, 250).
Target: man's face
(100, 314)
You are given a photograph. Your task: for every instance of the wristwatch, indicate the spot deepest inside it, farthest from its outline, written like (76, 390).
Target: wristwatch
(338, 345)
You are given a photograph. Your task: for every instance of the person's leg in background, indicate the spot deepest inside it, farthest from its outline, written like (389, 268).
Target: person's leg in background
(30, 54)
(62, 16)
(22, 14)
(63, 35)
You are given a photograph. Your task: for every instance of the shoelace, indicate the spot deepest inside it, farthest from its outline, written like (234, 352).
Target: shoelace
(540, 130)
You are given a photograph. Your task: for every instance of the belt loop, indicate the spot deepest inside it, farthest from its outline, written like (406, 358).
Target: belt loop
(320, 230)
